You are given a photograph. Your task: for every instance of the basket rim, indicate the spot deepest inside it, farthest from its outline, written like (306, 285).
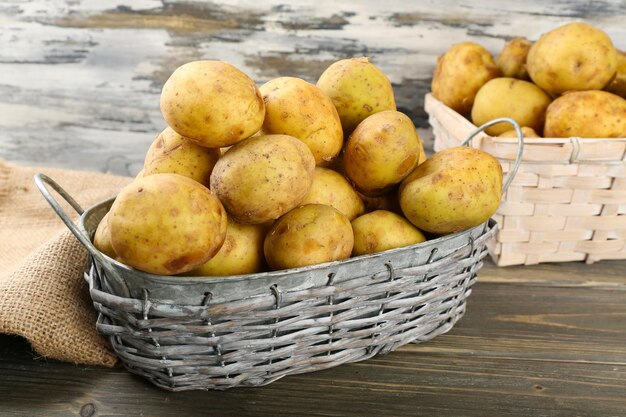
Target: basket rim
(191, 279)
(531, 141)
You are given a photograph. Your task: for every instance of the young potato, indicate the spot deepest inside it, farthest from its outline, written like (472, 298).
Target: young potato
(455, 189)
(212, 103)
(512, 58)
(263, 177)
(358, 89)
(297, 108)
(333, 189)
(520, 100)
(460, 73)
(618, 85)
(586, 114)
(382, 230)
(173, 153)
(241, 253)
(308, 235)
(382, 150)
(166, 224)
(102, 238)
(574, 56)
(527, 132)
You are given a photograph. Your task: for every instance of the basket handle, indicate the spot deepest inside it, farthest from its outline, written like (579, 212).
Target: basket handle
(520, 146)
(42, 180)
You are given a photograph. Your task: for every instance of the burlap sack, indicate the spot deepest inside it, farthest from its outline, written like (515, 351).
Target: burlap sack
(43, 296)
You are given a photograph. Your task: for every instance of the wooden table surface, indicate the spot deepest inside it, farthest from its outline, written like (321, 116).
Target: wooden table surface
(546, 340)
(79, 88)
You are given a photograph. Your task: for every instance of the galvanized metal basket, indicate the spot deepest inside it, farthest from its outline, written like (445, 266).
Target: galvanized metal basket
(184, 333)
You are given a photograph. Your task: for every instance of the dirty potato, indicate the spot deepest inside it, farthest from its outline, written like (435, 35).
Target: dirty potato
(459, 74)
(382, 150)
(382, 230)
(520, 100)
(212, 103)
(173, 153)
(358, 89)
(263, 177)
(527, 132)
(308, 235)
(455, 189)
(618, 85)
(586, 114)
(511, 60)
(241, 253)
(166, 224)
(574, 56)
(333, 189)
(297, 108)
(102, 238)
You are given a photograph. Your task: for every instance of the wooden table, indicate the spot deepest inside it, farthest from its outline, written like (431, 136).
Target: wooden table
(79, 88)
(547, 340)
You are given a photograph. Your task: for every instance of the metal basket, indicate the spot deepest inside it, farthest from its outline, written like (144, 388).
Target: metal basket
(184, 333)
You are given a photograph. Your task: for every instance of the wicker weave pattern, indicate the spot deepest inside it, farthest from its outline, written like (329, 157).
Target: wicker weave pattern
(567, 201)
(254, 341)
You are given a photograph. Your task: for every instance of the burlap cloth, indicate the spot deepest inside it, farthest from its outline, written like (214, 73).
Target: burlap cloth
(43, 296)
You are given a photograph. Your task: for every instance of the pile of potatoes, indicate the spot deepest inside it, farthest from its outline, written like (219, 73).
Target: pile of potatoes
(246, 179)
(571, 82)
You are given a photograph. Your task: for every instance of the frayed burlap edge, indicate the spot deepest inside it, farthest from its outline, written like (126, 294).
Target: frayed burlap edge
(43, 295)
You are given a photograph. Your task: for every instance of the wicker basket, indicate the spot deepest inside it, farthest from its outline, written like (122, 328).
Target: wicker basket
(185, 333)
(567, 201)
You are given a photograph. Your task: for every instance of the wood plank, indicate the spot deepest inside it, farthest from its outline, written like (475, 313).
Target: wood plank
(518, 352)
(607, 274)
(76, 92)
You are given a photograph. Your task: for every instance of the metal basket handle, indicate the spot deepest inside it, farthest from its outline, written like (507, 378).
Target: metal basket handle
(41, 180)
(520, 146)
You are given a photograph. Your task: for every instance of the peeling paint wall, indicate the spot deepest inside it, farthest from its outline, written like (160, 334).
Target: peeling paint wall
(80, 81)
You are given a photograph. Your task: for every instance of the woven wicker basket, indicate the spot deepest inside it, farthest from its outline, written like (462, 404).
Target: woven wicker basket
(185, 333)
(567, 201)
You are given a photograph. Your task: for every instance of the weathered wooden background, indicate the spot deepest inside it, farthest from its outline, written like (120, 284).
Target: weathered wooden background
(80, 80)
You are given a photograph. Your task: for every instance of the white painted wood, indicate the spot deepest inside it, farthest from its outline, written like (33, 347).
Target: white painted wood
(80, 81)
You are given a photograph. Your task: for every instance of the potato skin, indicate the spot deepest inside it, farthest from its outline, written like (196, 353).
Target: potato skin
(382, 230)
(333, 189)
(166, 224)
(102, 238)
(241, 253)
(459, 74)
(527, 132)
(520, 100)
(212, 103)
(574, 56)
(511, 60)
(358, 89)
(308, 235)
(297, 108)
(263, 177)
(455, 189)
(173, 153)
(618, 85)
(586, 114)
(381, 152)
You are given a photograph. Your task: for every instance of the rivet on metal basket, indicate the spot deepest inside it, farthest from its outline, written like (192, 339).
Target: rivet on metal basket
(218, 348)
(278, 295)
(431, 257)
(392, 276)
(330, 300)
(145, 309)
(430, 260)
